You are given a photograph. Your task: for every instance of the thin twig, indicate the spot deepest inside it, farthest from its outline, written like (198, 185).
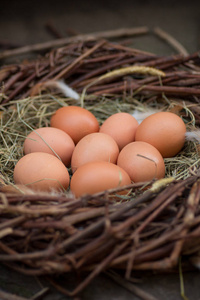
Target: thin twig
(51, 29)
(123, 32)
(171, 41)
(130, 287)
(8, 296)
(76, 61)
(168, 90)
(39, 295)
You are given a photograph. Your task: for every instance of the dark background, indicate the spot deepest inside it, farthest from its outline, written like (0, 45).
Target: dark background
(24, 22)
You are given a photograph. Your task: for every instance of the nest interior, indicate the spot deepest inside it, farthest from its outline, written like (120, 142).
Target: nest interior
(154, 226)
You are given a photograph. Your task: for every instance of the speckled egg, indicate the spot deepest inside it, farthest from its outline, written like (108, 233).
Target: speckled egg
(142, 161)
(165, 131)
(50, 140)
(94, 147)
(96, 177)
(75, 121)
(122, 127)
(41, 171)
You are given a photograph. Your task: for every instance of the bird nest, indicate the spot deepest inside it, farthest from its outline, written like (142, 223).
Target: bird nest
(152, 227)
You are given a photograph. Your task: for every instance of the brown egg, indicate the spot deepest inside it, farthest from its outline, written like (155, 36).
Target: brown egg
(98, 176)
(50, 140)
(75, 121)
(122, 127)
(165, 131)
(41, 171)
(94, 147)
(142, 161)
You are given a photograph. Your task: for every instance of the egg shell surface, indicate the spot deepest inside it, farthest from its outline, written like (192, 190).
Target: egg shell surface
(122, 127)
(165, 131)
(142, 161)
(75, 121)
(99, 176)
(94, 147)
(50, 140)
(41, 171)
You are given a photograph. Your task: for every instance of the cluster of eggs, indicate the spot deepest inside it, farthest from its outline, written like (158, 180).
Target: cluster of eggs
(112, 155)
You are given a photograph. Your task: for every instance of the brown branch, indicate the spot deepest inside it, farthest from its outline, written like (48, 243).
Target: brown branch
(171, 41)
(76, 61)
(113, 64)
(9, 296)
(12, 222)
(99, 268)
(123, 32)
(130, 286)
(99, 224)
(20, 87)
(53, 31)
(137, 88)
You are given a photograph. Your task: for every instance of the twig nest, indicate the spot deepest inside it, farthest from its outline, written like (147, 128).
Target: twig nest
(165, 131)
